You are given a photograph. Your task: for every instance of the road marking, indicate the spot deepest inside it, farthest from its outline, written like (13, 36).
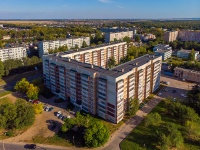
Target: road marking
(3, 145)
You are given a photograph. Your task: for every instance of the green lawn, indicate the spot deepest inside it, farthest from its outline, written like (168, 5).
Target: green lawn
(142, 137)
(5, 93)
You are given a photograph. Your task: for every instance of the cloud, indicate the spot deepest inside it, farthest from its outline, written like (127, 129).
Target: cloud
(104, 1)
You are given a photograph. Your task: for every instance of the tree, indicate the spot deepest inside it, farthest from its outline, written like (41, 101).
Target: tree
(172, 139)
(133, 106)
(69, 123)
(111, 62)
(38, 108)
(84, 44)
(127, 39)
(32, 92)
(137, 38)
(153, 119)
(1, 69)
(25, 114)
(16, 115)
(96, 135)
(22, 86)
(192, 129)
(191, 56)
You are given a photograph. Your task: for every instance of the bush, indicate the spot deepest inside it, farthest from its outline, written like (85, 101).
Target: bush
(9, 133)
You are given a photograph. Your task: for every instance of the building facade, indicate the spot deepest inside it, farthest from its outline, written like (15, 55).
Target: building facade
(45, 46)
(170, 36)
(164, 53)
(183, 35)
(98, 90)
(163, 50)
(13, 53)
(187, 35)
(112, 36)
(185, 53)
(187, 74)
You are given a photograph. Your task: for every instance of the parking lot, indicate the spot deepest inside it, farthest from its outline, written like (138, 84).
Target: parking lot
(176, 89)
(47, 123)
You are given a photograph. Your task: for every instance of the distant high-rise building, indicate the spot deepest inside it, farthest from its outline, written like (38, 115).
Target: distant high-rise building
(112, 36)
(45, 46)
(183, 35)
(170, 36)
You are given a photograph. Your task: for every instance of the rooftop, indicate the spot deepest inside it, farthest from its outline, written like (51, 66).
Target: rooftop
(114, 72)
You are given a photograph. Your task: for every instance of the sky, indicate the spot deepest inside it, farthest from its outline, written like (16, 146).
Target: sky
(99, 9)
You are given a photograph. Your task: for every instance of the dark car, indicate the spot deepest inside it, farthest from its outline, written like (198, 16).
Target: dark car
(174, 91)
(30, 146)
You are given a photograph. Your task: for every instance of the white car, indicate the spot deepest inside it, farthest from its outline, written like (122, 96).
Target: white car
(183, 95)
(159, 94)
(58, 113)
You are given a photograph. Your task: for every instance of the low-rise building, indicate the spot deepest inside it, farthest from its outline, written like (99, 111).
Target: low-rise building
(187, 74)
(6, 37)
(185, 53)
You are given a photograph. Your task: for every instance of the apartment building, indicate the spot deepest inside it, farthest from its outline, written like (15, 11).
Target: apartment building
(98, 90)
(162, 47)
(187, 35)
(163, 50)
(44, 46)
(170, 36)
(146, 37)
(164, 53)
(13, 53)
(112, 36)
(187, 74)
(183, 35)
(185, 53)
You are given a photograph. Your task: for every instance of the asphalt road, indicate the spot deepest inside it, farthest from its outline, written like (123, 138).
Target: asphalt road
(20, 146)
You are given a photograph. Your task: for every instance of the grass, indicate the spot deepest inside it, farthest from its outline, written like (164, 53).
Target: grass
(142, 137)
(2, 82)
(5, 100)
(5, 93)
(55, 140)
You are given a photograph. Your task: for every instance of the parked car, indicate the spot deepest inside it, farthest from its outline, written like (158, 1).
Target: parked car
(183, 95)
(30, 146)
(159, 94)
(60, 116)
(174, 91)
(50, 108)
(58, 113)
(35, 101)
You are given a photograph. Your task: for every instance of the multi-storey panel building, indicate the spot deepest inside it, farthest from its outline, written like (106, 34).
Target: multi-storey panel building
(13, 53)
(112, 36)
(45, 46)
(97, 90)
(98, 55)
